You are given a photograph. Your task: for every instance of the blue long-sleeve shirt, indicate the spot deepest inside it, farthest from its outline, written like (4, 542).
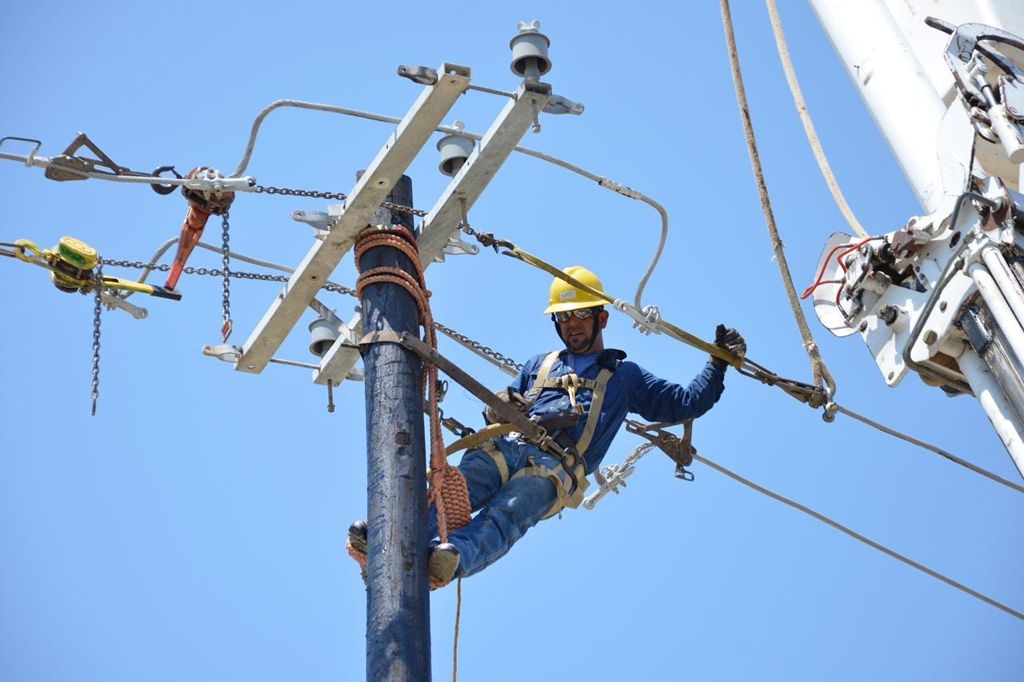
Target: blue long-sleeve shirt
(631, 388)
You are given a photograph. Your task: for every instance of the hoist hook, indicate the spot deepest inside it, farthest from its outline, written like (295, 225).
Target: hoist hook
(164, 190)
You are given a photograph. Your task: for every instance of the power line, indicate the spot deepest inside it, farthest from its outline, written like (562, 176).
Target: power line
(857, 536)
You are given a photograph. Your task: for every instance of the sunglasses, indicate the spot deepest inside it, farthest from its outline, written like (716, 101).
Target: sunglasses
(580, 314)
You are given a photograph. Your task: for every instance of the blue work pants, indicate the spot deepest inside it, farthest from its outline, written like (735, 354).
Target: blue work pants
(506, 511)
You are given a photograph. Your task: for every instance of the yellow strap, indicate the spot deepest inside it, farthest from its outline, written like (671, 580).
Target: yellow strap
(562, 482)
(595, 412)
(499, 459)
(489, 432)
(542, 375)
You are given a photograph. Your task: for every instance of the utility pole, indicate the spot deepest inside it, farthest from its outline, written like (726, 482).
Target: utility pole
(398, 597)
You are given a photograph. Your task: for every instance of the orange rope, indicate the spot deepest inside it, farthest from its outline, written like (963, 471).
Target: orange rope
(447, 492)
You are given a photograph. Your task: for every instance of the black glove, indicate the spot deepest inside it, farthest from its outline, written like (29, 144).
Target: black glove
(730, 340)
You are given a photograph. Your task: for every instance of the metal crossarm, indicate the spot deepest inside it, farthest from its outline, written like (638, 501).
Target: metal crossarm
(370, 190)
(465, 188)
(480, 167)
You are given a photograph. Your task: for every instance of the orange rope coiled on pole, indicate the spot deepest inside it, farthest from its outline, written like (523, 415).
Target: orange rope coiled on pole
(448, 492)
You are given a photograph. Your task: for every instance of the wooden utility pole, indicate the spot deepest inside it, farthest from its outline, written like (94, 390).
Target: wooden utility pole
(398, 597)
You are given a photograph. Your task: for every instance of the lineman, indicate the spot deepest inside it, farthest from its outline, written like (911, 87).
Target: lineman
(581, 394)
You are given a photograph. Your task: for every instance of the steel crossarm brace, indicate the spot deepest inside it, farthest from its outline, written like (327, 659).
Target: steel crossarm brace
(370, 190)
(480, 167)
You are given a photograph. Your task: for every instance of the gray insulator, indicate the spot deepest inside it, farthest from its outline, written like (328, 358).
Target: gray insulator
(455, 149)
(323, 334)
(530, 52)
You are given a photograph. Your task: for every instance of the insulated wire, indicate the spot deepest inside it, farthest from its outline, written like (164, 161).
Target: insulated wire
(857, 536)
(939, 451)
(565, 165)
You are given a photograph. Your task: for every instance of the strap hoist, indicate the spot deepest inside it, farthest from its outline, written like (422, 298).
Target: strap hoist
(650, 321)
(73, 267)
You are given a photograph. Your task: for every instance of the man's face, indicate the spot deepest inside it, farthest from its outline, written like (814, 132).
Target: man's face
(579, 334)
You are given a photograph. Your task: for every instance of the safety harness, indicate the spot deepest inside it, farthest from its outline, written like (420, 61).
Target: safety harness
(570, 477)
(509, 414)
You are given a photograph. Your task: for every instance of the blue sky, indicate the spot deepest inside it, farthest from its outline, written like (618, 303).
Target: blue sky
(194, 528)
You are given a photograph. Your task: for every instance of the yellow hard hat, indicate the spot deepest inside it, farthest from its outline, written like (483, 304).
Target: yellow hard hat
(564, 296)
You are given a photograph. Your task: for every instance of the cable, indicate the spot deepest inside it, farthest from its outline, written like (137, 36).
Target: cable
(939, 451)
(857, 536)
(805, 118)
(607, 183)
(818, 368)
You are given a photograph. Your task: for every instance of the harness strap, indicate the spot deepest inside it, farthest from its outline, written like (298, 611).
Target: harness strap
(595, 411)
(499, 459)
(570, 485)
(572, 385)
(542, 375)
(486, 434)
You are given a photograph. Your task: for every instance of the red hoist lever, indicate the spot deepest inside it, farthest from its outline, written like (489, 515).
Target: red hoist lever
(201, 204)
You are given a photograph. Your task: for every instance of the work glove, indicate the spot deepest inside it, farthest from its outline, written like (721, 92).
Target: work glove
(730, 340)
(508, 396)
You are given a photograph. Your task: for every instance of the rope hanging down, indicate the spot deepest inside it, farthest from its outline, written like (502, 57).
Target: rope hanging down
(447, 490)
(820, 372)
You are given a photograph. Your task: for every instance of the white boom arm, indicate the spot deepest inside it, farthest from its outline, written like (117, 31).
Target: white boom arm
(943, 295)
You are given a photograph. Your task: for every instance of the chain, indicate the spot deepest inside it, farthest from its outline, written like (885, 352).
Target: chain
(493, 355)
(214, 272)
(97, 312)
(315, 194)
(225, 259)
(337, 196)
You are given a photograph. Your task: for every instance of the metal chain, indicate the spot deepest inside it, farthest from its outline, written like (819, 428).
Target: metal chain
(215, 272)
(97, 313)
(285, 191)
(337, 196)
(496, 357)
(225, 259)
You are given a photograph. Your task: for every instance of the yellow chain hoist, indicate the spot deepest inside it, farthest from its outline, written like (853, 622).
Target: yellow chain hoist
(72, 265)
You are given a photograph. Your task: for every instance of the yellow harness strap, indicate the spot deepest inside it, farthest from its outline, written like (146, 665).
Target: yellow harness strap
(563, 483)
(595, 411)
(488, 433)
(499, 459)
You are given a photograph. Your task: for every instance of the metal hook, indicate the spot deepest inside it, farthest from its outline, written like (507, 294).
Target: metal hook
(164, 190)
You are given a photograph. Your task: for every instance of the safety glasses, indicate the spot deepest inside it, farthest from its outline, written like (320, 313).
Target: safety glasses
(579, 314)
